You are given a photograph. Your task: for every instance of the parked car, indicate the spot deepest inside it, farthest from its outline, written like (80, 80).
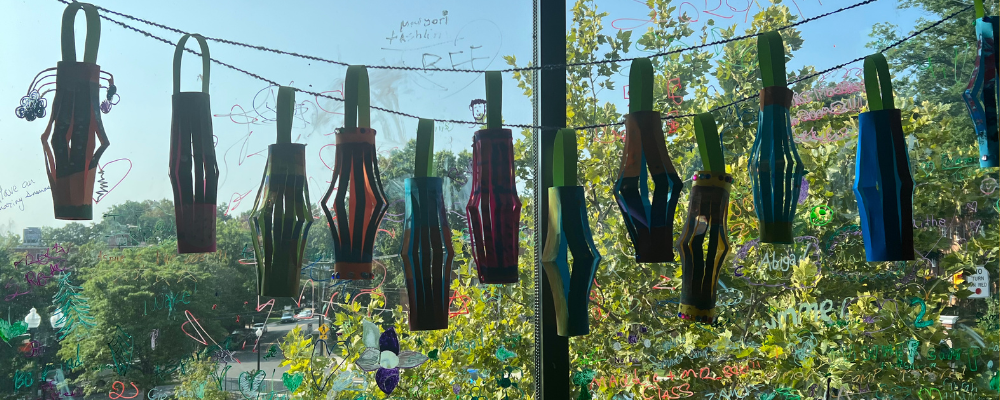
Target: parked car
(237, 340)
(305, 314)
(287, 317)
(260, 325)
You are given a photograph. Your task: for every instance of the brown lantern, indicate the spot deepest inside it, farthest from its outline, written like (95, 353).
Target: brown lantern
(360, 203)
(704, 241)
(650, 223)
(280, 219)
(194, 174)
(71, 160)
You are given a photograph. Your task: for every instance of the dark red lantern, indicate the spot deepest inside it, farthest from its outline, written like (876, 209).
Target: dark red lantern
(650, 224)
(494, 210)
(194, 174)
(427, 251)
(360, 203)
(569, 233)
(281, 218)
(71, 160)
(704, 241)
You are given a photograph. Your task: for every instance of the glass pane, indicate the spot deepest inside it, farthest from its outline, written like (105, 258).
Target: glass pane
(191, 325)
(810, 318)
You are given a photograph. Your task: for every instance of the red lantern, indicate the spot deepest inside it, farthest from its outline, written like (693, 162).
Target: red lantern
(494, 210)
(360, 203)
(192, 152)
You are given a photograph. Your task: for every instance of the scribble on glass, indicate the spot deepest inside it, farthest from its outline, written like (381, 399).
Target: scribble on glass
(32, 107)
(72, 309)
(383, 356)
(478, 108)
(121, 350)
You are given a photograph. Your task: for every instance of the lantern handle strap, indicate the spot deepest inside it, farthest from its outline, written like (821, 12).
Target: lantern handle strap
(494, 100)
(425, 149)
(206, 63)
(286, 110)
(93, 32)
(709, 145)
(640, 85)
(980, 9)
(771, 58)
(564, 158)
(357, 98)
(876, 78)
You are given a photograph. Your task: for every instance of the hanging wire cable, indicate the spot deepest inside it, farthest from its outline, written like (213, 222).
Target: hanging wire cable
(466, 70)
(585, 127)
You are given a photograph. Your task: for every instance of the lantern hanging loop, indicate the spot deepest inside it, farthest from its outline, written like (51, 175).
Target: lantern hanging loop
(206, 62)
(878, 83)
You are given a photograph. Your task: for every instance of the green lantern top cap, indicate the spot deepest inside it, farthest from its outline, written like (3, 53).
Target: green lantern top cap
(494, 100)
(357, 98)
(564, 158)
(877, 80)
(771, 57)
(93, 33)
(286, 109)
(640, 85)
(709, 145)
(424, 164)
(205, 62)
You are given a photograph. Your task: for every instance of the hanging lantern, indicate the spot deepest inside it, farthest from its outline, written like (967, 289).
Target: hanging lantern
(494, 210)
(360, 202)
(775, 167)
(883, 185)
(194, 174)
(981, 94)
(281, 218)
(569, 233)
(650, 224)
(71, 161)
(427, 250)
(708, 209)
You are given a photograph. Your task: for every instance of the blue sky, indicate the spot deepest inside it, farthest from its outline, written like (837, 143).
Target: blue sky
(466, 34)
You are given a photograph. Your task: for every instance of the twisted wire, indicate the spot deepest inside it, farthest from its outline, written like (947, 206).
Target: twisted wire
(584, 127)
(467, 70)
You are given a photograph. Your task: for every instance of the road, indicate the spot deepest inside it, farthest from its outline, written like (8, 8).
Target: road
(272, 366)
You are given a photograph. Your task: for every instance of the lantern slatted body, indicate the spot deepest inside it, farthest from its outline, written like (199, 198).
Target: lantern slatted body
(981, 95)
(883, 187)
(69, 141)
(194, 173)
(650, 224)
(494, 209)
(569, 233)
(708, 210)
(281, 217)
(427, 253)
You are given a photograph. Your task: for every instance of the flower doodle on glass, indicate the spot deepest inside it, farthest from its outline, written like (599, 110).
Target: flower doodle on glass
(32, 106)
(383, 356)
